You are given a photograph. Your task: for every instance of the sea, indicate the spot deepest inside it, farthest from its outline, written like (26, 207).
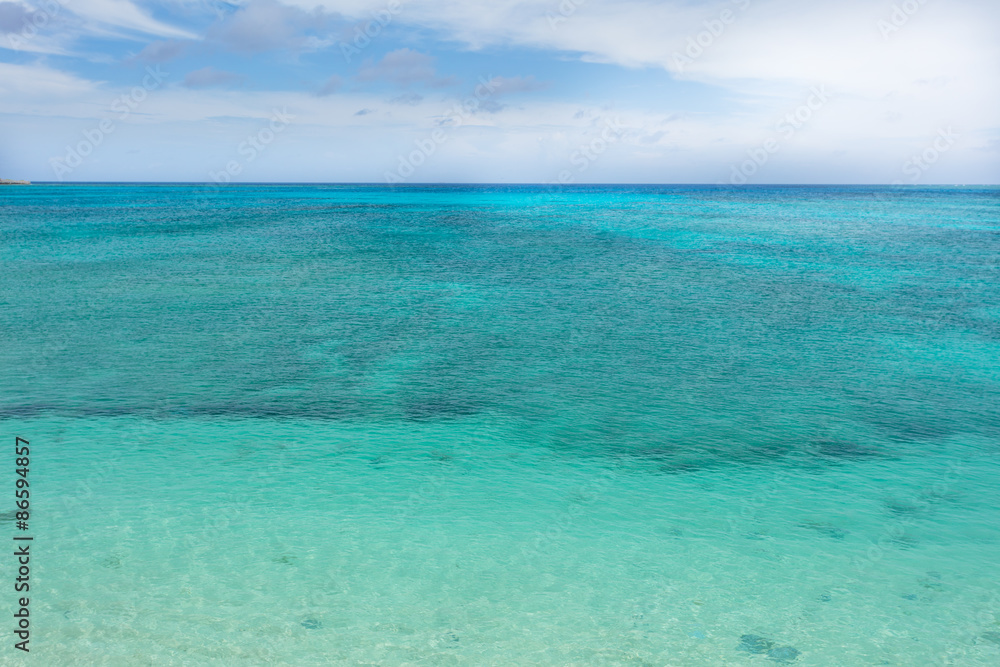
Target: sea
(310, 424)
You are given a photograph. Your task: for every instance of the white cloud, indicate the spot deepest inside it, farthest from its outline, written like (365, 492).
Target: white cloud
(894, 77)
(266, 25)
(30, 84)
(53, 26)
(888, 93)
(123, 15)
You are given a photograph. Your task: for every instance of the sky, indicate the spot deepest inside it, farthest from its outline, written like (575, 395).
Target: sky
(737, 92)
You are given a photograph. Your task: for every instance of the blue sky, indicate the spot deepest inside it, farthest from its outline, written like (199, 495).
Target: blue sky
(576, 91)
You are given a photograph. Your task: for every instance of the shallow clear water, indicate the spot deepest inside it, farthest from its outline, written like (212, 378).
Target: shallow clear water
(474, 425)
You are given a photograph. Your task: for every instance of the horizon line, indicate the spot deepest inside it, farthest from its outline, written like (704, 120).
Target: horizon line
(513, 184)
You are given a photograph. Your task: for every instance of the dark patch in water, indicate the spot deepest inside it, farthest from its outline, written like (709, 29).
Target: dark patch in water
(667, 460)
(910, 596)
(904, 508)
(931, 583)
(20, 411)
(842, 449)
(107, 411)
(924, 503)
(332, 410)
(677, 459)
(825, 598)
(826, 529)
(754, 644)
(936, 495)
(913, 430)
(311, 624)
(8, 516)
(784, 654)
(765, 453)
(991, 636)
(756, 535)
(655, 453)
(112, 562)
(328, 410)
(681, 467)
(438, 408)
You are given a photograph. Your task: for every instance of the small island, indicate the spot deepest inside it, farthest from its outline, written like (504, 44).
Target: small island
(4, 181)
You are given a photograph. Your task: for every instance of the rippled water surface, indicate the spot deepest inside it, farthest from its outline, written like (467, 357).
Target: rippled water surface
(507, 425)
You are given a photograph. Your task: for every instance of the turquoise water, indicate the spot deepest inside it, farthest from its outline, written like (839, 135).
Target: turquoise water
(506, 425)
